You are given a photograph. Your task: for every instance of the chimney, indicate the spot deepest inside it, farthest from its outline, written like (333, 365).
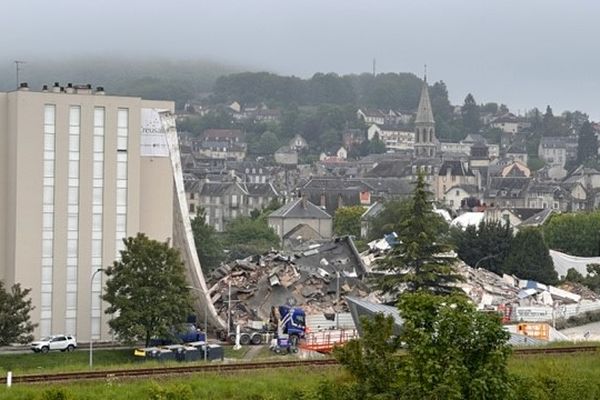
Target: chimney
(100, 90)
(23, 86)
(70, 89)
(45, 88)
(56, 87)
(304, 201)
(83, 89)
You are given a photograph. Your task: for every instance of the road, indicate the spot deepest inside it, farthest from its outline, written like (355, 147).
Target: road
(579, 332)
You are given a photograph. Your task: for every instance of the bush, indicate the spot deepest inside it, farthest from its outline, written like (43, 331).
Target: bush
(176, 392)
(56, 393)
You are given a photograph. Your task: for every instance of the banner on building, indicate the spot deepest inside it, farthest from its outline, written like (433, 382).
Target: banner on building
(153, 138)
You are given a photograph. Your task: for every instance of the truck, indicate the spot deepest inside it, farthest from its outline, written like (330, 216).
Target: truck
(283, 320)
(185, 334)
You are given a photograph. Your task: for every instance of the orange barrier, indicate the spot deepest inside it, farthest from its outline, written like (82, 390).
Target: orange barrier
(324, 341)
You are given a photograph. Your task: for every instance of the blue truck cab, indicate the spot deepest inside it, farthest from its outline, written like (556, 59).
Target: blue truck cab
(293, 322)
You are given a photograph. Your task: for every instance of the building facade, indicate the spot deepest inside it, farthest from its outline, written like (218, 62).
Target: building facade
(80, 171)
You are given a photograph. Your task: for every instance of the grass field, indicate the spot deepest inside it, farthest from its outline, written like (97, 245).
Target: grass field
(564, 376)
(256, 385)
(78, 360)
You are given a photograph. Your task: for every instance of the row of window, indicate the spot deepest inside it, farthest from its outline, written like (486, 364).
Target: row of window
(73, 212)
(47, 221)
(73, 219)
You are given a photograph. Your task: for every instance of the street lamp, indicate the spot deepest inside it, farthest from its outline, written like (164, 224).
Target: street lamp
(205, 319)
(91, 314)
(485, 258)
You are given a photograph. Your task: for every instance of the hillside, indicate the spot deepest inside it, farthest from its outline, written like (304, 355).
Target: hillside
(178, 80)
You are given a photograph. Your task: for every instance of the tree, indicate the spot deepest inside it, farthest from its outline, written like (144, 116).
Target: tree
(551, 125)
(245, 236)
(529, 257)
(208, 245)
(390, 218)
(450, 351)
(577, 234)
(470, 115)
(369, 359)
(346, 220)
(453, 350)
(418, 262)
(485, 246)
(15, 326)
(587, 144)
(147, 290)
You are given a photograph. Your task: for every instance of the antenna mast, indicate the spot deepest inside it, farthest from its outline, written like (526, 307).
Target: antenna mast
(17, 70)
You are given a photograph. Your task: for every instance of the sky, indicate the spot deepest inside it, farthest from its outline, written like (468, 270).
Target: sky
(524, 53)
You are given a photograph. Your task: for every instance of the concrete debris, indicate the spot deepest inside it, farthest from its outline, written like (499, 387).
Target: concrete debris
(579, 289)
(313, 278)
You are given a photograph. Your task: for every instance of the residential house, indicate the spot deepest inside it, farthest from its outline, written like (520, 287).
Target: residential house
(543, 195)
(300, 212)
(332, 193)
(513, 216)
(286, 155)
(454, 196)
(507, 192)
(453, 173)
(227, 144)
(517, 152)
(371, 116)
(225, 201)
(394, 137)
(298, 143)
(578, 196)
(342, 153)
(553, 150)
(509, 123)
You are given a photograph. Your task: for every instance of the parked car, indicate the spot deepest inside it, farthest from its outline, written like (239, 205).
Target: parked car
(54, 342)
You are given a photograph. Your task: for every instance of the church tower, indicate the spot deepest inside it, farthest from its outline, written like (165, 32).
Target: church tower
(425, 142)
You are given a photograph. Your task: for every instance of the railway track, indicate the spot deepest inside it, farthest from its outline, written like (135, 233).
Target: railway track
(237, 367)
(150, 372)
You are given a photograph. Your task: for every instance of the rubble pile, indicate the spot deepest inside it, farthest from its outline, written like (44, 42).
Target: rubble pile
(316, 279)
(581, 290)
(486, 288)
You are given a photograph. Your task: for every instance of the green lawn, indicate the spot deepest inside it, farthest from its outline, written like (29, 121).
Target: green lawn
(564, 377)
(254, 385)
(33, 363)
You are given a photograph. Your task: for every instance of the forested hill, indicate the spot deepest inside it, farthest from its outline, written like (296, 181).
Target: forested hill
(384, 91)
(178, 80)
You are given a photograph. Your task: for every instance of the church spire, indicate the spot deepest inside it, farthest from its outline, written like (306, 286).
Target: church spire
(424, 113)
(425, 141)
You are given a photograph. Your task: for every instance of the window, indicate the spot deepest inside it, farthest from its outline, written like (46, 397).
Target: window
(458, 193)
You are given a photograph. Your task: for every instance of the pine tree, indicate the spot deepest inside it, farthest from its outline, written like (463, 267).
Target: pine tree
(417, 262)
(15, 326)
(529, 257)
(470, 115)
(484, 246)
(587, 144)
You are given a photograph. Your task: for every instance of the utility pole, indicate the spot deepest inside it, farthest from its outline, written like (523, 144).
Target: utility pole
(17, 70)
(374, 66)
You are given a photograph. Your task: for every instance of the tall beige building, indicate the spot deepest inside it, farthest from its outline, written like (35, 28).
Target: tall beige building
(79, 170)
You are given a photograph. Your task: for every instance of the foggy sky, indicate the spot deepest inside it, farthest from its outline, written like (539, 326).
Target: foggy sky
(525, 53)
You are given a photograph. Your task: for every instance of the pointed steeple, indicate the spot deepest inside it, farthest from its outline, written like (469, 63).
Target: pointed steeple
(425, 141)
(424, 113)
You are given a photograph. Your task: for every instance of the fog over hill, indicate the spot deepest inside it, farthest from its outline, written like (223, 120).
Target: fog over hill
(149, 78)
